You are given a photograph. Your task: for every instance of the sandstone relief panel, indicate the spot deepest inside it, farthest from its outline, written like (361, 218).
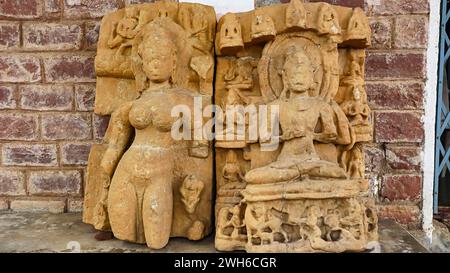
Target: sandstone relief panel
(291, 117)
(298, 186)
(142, 184)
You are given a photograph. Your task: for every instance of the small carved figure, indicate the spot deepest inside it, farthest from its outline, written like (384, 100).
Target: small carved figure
(255, 222)
(239, 79)
(126, 29)
(263, 27)
(123, 33)
(335, 233)
(190, 190)
(196, 231)
(231, 35)
(232, 173)
(327, 20)
(230, 218)
(296, 14)
(275, 225)
(358, 26)
(355, 105)
(311, 229)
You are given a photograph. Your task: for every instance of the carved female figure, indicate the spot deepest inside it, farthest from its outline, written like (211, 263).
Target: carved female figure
(139, 202)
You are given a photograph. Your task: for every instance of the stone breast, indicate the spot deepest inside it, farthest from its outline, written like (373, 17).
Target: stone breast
(151, 112)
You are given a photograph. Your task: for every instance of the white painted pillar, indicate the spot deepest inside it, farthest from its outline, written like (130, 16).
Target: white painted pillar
(430, 118)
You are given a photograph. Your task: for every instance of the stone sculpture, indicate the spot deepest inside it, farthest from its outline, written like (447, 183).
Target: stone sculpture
(296, 184)
(142, 184)
(309, 194)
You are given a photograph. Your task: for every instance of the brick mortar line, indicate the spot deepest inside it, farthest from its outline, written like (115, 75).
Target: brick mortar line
(394, 16)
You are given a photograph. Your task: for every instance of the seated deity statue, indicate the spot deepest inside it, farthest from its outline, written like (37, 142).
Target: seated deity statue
(304, 120)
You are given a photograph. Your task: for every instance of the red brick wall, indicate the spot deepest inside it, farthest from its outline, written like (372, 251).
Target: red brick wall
(396, 75)
(47, 89)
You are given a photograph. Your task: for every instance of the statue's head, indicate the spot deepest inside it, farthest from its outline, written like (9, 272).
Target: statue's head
(258, 211)
(298, 73)
(158, 55)
(231, 157)
(131, 12)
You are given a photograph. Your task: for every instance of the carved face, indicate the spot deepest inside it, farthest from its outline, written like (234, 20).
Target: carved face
(298, 73)
(231, 33)
(158, 62)
(231, 157)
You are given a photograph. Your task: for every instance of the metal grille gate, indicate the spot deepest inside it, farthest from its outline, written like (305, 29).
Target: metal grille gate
(442, 150)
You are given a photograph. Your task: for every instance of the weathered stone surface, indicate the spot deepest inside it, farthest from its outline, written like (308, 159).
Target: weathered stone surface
(69, 68)
(9, 35)
(75, 154)
(390, 127)
(46, 97)
(7, 97)
(55, 183)
(38, 206)
(12, 183)
(29, 155)
(66, 127)
(51, 36)
(18, 127)
(19, 69)
(402, 187)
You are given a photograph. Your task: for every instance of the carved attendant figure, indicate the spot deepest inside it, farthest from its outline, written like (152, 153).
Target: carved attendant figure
(232, 172)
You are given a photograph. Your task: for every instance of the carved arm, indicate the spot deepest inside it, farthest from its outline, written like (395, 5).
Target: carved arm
(329, 131)
(117, 137)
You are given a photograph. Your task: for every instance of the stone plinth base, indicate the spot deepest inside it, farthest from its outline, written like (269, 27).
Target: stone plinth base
(299, 216)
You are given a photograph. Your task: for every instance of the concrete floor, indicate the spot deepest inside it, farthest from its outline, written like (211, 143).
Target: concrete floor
(44, 232)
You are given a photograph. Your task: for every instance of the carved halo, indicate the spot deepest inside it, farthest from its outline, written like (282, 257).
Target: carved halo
(273, 57)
